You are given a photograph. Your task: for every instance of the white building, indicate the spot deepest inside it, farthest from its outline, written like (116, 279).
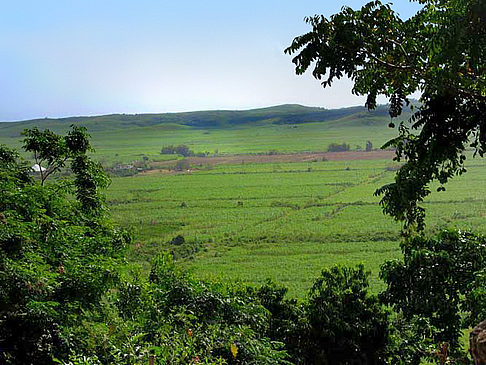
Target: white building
(38, 168)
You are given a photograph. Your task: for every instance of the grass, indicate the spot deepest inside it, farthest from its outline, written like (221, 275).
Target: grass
(126, 138)
(282, 221)
(252, 221)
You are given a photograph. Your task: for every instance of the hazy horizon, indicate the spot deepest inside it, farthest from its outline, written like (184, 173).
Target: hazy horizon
(91, 58)
(186, 111)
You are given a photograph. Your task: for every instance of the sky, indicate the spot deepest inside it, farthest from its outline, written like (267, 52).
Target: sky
(91, 57)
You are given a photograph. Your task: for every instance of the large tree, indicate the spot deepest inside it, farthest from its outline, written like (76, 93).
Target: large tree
(59, 252)
(439, 52)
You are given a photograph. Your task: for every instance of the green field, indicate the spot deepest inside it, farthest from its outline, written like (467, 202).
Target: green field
(252, 221)
(281, 221)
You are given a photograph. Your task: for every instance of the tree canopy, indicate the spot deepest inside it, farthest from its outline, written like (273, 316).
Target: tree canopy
(58, 255)
(439, 52)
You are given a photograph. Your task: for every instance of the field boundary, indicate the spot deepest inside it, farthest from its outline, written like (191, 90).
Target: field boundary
(288, 157)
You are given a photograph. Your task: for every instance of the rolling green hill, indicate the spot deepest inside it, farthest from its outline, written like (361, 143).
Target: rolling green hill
(284, 129)
(282, 114)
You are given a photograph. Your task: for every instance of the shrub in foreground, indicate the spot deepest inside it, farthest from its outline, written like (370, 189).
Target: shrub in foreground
(439, 280)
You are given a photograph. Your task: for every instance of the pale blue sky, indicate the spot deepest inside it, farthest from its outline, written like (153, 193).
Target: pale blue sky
(66, 57)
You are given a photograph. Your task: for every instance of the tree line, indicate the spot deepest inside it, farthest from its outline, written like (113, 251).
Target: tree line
(181, 150)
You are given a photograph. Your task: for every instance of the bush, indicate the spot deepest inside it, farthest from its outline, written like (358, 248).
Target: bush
(476, 299)
(345, 323)
(339, 323)
(287, 319)
(210, 318)
(182, 150)
(177, 240)
(182, 165)
(435, 278)
(336, 147)
(369, 146)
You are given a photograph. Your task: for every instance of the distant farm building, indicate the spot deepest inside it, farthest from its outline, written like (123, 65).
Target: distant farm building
(38, 168)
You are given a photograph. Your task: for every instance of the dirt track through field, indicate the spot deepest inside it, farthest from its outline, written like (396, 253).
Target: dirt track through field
(294, 157)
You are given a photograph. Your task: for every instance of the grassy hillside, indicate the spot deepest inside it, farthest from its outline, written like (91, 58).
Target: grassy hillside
(282, 114)
(284, 129)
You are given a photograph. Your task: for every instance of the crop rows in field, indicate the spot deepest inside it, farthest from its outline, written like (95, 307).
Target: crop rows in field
(283, 221)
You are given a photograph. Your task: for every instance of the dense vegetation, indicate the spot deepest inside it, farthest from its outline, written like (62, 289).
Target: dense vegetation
(182, 150)
(338, 147)
(68, 294)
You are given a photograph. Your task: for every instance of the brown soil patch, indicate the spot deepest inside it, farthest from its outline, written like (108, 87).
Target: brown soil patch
(164, 166)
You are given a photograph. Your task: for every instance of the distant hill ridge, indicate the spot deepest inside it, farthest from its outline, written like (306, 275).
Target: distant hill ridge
(281, 114)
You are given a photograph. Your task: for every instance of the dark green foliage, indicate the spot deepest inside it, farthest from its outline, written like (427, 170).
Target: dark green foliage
(177, 240)
(208, 317)
(182, 249)
(55, 262)
(411, 341)
(476, 297)
(122, 172)
(336, 147)
(286, 321)
(346, 324)
(10, 162)
(51, 151)
(182, 150)
(440, 51)
(433, 280)
(89, 179)
(339, 323)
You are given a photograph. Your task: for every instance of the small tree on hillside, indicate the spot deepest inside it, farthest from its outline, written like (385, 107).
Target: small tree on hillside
(369, 146)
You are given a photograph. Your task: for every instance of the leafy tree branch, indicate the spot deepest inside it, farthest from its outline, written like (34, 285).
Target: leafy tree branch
(439, 52)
